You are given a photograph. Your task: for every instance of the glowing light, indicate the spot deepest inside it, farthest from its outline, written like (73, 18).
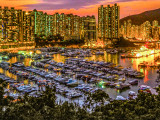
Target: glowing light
(6, 57)
(38, 52)
(141, 70)
(118, 91)
(146, 77)
(30, 53)
(132, 60)
(27, 13)
(144, 48)
(118, 86)
(26, 82)
(138, 55)
(21, 52)
(101, 84)
(100, 43)
(152, 52)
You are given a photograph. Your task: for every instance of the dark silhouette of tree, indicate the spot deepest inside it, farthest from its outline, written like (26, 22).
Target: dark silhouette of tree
(44, 107)
(100, 96)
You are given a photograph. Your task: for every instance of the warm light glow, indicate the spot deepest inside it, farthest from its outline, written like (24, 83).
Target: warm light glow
(100, 43)
(138, 55)
(144, 48)
(152, 52)
(30, 52)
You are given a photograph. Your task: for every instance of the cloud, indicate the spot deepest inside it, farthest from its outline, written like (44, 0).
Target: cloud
(71, 4)
(85, 7)
(62, 4)
(17, 3)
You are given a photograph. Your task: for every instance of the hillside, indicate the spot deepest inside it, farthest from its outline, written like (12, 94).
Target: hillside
(141, 18)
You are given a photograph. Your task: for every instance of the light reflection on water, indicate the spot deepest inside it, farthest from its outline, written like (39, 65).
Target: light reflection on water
(7, 73)
(149, 79)
(150, 73)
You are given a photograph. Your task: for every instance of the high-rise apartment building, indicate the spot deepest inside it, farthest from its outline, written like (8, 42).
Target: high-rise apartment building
(129, 26)
(101, 22)
(125, 28)
(108, 22)
(90, 29)
(155, 30)
(59, 25)
(69, 26)
(10, 24)
(62, 24)
(74, 27)
(133, 31)
(145, 31)
(136, 31)
(17, 25)
(155, 23)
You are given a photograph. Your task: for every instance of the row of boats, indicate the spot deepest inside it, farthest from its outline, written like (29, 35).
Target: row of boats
(18, 67)
(113, 77)
(146, 64)
(142, 89)
(76, 77)
(41, 77)
(139, 54)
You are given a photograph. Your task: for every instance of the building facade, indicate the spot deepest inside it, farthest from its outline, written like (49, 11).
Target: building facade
(108, 22)
(17, 25)
(145, 31)
(74, 27)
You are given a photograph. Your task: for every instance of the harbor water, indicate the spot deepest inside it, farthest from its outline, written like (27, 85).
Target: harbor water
(149, 73)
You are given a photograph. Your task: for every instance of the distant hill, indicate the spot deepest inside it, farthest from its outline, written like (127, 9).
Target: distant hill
(141, 18)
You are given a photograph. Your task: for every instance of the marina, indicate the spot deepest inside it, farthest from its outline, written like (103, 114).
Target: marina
(75, 72)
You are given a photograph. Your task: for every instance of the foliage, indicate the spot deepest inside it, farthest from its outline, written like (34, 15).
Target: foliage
(145, 107)
(73, 42)
(123, 43)
(4, 47)
(42, 40)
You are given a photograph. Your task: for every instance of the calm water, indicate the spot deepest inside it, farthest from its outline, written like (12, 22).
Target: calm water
(149, 79)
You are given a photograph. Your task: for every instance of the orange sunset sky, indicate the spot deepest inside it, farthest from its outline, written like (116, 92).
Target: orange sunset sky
(83, 7)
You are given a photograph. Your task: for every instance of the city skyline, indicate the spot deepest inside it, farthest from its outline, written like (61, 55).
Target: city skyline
(17, 25)
(146, 31)
(82, 8)
(108, 22)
